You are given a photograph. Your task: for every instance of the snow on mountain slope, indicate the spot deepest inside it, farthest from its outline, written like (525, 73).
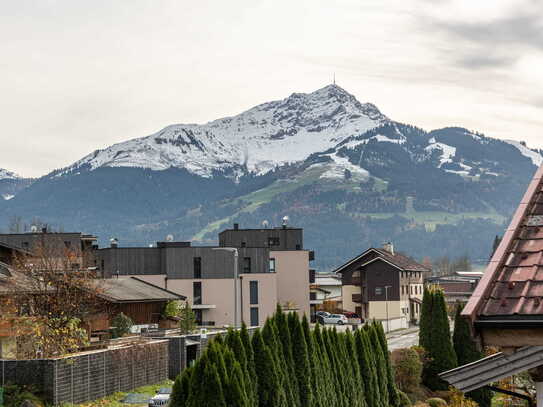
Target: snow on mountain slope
(447, 152)
(257, 140)
(5, 174)
(536, 158)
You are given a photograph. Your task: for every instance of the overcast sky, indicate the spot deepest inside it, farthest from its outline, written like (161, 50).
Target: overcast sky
(79, 75)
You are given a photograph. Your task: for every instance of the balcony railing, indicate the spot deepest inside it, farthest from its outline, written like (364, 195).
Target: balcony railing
(357, 298)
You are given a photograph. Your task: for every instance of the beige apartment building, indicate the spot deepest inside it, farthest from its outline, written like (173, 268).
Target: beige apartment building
(240, 280)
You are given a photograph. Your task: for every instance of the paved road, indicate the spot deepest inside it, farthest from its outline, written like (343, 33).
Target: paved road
(403, 341)
(396, 340)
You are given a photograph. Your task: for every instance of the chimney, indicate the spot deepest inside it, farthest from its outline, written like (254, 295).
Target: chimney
(389, 247)
(236, 226)
(114, 243)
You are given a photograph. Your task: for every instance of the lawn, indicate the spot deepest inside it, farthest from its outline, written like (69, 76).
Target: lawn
(115, 399)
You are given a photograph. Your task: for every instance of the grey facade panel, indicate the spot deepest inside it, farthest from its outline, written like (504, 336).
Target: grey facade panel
(276, 239)
(178, 262)
(31, 241)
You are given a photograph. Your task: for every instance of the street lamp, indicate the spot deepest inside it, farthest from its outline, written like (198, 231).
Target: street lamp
(236, 275)
(386, 306)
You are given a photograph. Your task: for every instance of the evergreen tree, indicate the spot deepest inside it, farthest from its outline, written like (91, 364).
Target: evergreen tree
(425, 318)
(317, 378)
(235, 393)
(380, 365)
(270, 392)
(328, 377)
(233, 340)
(358, 383)
(181, 389)
(205, 385)
(270, 337)
(285, 341)
(301, 364)
(393, 395)
(439, 349)
(248, 347)
(367, 369)
(467, 352)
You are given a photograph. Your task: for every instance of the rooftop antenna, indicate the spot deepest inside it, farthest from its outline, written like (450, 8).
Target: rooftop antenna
(334, 78)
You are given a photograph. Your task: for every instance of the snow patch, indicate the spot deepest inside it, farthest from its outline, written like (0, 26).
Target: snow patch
(447, 152)
(336, 169)
(5, 174)
(536, 158)
(7, 197)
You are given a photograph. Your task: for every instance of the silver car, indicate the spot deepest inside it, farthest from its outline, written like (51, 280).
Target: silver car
(336, 319)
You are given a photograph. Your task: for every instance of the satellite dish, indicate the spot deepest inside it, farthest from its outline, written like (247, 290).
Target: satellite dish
(169, 238)
(33, 228)
(285, 220)
(265, 224)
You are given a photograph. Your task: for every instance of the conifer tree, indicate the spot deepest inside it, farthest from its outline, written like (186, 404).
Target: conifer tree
(367, 369)
(285, 341)
(270, 392)
(467, 352)
(326, 372)
(301, 364)
(317, 378)
(270, 337)
(181, 389)
(439, 347)
(382, 374)
(233, 340)
(248, 347)
(235, 393)
(357, 382)
(393, 395)
(205, 385)
(425, 318)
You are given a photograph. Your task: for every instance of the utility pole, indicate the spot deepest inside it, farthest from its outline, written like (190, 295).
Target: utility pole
(386, 306)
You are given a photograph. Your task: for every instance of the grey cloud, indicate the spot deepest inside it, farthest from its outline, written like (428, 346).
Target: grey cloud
(482, 61)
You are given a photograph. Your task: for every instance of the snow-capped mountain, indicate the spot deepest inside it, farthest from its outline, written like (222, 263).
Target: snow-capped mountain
(346, 173)
(255, 141)
(10, 184)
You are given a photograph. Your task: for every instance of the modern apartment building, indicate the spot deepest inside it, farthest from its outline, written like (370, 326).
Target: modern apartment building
(241, 279)
(382, 284)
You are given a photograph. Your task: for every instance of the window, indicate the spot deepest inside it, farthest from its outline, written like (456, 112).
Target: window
(68, 244)
(254, 316)
(103, 265)
(25, 245)
(253, 292)
(197, 267)
(243, 243)
(272, 265)
(273, 241)
(311, 276)
(378, 290)
(312, 296)
(298, 247)
(197, 292)
(198, 316)
(403, 290)
(246, 264)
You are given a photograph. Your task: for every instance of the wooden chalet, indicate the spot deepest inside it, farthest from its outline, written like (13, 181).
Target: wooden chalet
(506, 308)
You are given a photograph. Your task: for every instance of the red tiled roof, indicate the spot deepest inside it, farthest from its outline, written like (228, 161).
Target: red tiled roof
(512, 285)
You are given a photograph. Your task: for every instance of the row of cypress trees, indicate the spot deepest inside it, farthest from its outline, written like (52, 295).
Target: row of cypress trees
(443, 352)
(286, 364)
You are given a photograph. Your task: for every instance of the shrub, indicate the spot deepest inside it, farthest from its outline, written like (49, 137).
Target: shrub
(187, 322)
(436, 402)
(121, 325)
(172, 309)
(15, 395)
(404, 399)
(408, 367)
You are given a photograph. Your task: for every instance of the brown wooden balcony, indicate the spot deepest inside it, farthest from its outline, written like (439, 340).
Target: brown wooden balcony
(357, 298)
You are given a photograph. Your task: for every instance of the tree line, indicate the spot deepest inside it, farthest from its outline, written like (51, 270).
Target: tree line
(287, 364)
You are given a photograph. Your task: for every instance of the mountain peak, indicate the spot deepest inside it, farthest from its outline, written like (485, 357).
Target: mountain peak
(5, 174)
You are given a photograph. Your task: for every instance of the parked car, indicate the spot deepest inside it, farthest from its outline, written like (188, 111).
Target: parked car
(335, 319)
(322, 314)
(161, 398)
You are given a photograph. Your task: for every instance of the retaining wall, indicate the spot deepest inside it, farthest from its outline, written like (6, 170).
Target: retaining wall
(92, 375)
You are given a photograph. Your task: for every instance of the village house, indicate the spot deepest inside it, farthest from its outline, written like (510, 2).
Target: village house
(240, 280)
(384, 285)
